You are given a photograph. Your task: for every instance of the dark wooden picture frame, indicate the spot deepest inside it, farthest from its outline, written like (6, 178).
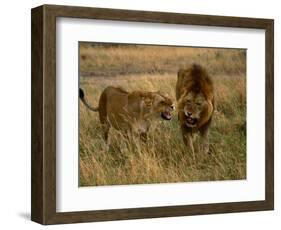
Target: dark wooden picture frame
(43, 170)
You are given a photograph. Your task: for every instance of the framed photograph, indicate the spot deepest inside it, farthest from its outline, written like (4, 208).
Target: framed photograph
(141, 114)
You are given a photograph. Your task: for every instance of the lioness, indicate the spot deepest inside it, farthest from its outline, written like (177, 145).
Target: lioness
(130, 112)
(195, 102)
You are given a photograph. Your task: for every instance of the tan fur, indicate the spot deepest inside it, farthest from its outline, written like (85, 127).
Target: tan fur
(130, 112)
(195, 103)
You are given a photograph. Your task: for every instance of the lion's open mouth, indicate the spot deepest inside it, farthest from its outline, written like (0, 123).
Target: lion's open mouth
(166, 115)
(191, 122)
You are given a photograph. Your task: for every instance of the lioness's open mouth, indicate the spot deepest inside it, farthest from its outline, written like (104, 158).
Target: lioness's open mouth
(191, 122)
(166, 115)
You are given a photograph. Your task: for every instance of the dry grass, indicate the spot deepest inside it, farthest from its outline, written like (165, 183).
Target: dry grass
(164, 158)
(97, 60)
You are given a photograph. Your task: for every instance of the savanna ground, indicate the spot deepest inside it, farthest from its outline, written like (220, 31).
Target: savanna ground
(163, 158)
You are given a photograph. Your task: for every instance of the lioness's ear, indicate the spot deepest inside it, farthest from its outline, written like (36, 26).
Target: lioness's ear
(147, 101)
(163, 94)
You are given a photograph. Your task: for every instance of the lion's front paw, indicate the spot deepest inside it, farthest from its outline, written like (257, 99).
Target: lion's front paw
(205, 149)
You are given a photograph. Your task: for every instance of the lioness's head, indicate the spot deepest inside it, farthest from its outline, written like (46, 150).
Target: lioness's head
(194, 109)
(158, 105)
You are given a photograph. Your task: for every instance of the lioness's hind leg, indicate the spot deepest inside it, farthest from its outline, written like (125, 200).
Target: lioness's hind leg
(103, 116)
(106, 128)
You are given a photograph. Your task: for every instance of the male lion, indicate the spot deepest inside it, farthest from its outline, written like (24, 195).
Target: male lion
(130, 112)
(195, 101)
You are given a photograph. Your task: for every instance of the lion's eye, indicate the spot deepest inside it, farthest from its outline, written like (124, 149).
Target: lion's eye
(198, 103)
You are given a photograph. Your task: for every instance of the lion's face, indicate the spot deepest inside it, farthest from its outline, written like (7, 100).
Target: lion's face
(194, 106)
(160, 106)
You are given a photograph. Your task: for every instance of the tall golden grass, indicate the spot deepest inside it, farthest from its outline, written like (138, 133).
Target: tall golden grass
(112, 60)
(163, 158)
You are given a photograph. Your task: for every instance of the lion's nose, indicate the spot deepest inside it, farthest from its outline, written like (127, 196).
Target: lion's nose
(189, 114)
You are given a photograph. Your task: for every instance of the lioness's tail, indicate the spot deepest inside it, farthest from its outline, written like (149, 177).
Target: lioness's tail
(82, 97)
